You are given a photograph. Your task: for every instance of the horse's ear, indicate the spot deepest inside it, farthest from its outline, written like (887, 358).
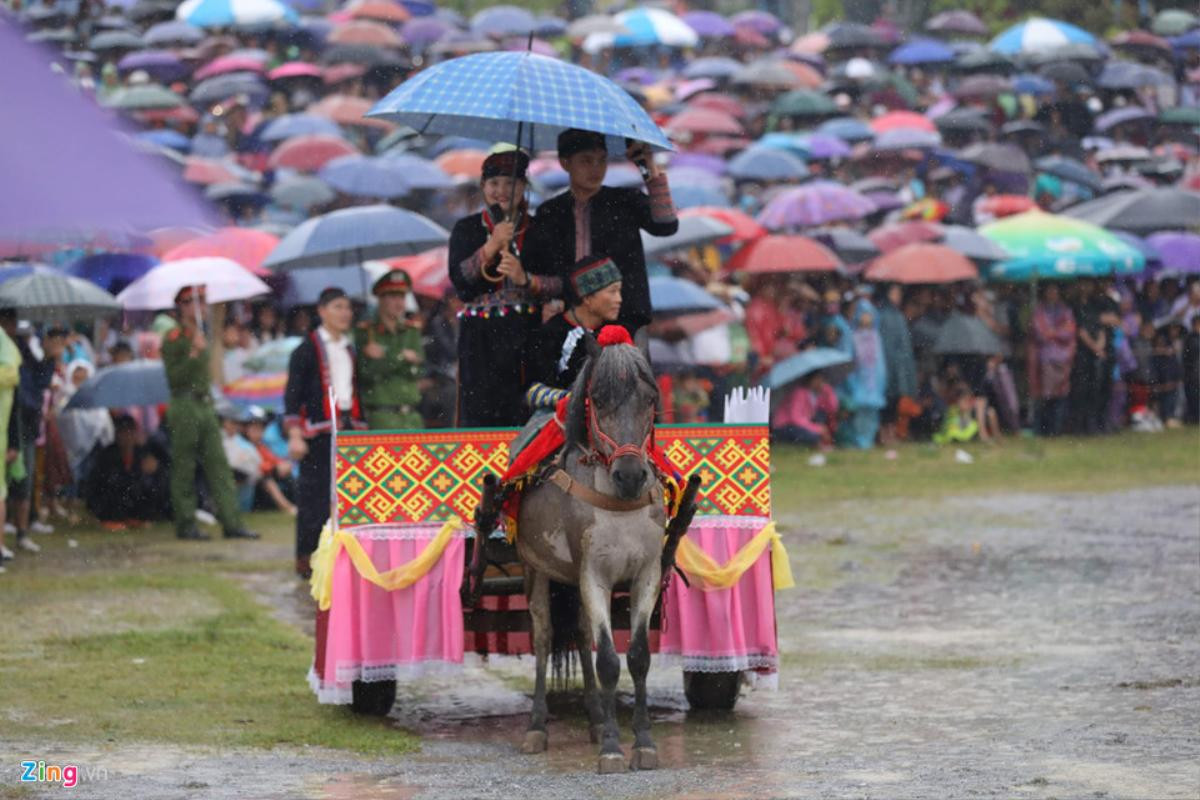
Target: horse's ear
(590, 345)
(575, 426)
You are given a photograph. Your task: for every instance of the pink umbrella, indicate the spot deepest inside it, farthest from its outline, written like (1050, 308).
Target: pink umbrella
(296, 69)
(705, 121)
(246, 246)
(897, 120)
(366, 32)
(813, 204)
(231, 63)
(310, 152)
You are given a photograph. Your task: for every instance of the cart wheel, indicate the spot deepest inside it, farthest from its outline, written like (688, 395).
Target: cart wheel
(712, 691)
(373, 699)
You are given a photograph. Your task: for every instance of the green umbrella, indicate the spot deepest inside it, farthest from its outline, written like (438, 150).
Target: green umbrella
(144, 98)
(1046, 246)
(46, 296)
(1173, 22)
(803, 103)
(1180, 115)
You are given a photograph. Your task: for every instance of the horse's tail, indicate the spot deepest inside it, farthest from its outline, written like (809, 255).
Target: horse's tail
(565, 606)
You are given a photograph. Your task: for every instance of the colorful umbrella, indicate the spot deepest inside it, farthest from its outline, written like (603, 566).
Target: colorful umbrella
(382, 10)
(365, 32)
(290, 125)
(706, 121)
(224, 280)
(229, 63)
(347, 109)
(1039, 33)
(164, 34)
(783, 254)
(488, 94)
(263, 389)
(1046, 246)
(816, 203)
(922, 51)
(803, 103)
(646, 26)
(226, 13)
(160, 65)
(921, 263)
(246, 246)
(1120, 116)
(141, 98)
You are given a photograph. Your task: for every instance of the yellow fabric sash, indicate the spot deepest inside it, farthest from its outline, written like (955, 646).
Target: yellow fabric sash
(399, 578)
(702, 571)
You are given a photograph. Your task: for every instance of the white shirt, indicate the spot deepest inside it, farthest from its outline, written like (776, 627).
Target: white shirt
(341, 367)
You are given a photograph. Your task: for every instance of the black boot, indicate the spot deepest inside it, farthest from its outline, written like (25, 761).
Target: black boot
(193, 533)
(241, 533)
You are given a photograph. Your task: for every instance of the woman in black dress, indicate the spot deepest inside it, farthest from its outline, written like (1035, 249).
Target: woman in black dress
(502, 298)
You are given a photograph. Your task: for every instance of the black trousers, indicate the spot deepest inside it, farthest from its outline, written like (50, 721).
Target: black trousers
(491, 370)
(312, 490)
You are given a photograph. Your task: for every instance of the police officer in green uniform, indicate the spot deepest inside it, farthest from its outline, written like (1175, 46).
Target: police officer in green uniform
(388, 358)
(195, 432)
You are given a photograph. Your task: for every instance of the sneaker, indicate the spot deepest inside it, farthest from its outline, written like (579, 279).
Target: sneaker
(26, 543)
(6, 554)
(41, 527)
(205, 518)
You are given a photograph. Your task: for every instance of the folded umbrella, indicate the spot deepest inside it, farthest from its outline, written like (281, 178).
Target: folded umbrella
(49, 296)
(224, 280)
(834, 364)
(964, 335)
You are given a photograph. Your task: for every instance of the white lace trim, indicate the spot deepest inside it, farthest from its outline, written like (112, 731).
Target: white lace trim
(723, 521)
(341, 691)
(399, 532)
(729, 663)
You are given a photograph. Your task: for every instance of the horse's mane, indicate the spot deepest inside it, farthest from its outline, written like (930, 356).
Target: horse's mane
(612, 376)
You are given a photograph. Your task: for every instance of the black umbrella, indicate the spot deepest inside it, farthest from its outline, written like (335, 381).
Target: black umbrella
(985, 61)
(1067, 72)
(997, 157)
(115, 40)
(364, 55)
(982, 86)
(1143, 211)
(852, 246)
(1021, 126)
(220, 87)
(852, 34)
(962, 335)
(963, 119)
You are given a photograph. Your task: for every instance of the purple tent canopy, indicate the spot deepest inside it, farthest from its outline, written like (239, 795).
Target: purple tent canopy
(61, 158)
(708, 24)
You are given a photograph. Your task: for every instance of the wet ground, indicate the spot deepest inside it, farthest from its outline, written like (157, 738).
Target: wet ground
(1008, 646)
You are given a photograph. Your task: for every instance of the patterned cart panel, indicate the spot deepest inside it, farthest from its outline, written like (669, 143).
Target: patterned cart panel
(432, 476)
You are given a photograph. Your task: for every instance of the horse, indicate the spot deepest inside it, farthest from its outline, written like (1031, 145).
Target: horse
(598, 521)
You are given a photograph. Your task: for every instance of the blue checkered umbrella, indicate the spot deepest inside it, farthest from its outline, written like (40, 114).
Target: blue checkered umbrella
(486, 95)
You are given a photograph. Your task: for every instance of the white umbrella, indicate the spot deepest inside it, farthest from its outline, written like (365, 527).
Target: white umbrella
(223, 280)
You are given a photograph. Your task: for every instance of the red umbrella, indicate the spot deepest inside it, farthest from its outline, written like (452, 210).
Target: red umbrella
(346, 109)
(296, 69)
(783, 253)
(806, 76)
(719, 102)
(897, 120)
(224, 64)
(163, 240)
(207, 171)
(430, 271)
(922, 263)
(745, 227)
(383, 10)
(1005, 205)
(892, 237)
(246, 246)
(704, 121)
(468, 163)
(365, 32)
(310, 152)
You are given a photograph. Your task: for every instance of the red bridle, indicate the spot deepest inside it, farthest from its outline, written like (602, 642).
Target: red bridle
(614, 451)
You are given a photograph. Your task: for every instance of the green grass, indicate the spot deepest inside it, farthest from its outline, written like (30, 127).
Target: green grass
(139, 637)
(1096, 464)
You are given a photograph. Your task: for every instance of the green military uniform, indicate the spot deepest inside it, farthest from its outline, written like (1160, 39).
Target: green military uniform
(195, 436)
(388, 385)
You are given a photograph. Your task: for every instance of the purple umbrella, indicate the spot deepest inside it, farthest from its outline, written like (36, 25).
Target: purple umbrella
(813, 204)
(957, 22)
(693, 176)
(639, 75)
(759, 21)
(63, 160)
(1180, 252)
(704, 161)
(420, 32)
(906, 139)
(1111, 119)
(501, 21)
(161, 65)
(708, 24)
(823, 146)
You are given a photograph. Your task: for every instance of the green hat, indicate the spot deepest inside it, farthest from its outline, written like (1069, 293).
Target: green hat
(591, 274)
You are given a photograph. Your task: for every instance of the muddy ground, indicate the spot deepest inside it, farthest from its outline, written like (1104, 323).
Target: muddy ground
(1026, 645)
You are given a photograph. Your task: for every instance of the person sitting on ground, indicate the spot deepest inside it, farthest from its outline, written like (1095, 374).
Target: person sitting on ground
(242, 456)
(276, 483)
(808, 414)
(127, 484)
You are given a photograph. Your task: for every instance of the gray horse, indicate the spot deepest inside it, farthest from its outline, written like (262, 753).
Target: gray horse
(598, 522)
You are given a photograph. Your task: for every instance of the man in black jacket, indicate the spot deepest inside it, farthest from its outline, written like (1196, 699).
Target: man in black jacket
(593, 219)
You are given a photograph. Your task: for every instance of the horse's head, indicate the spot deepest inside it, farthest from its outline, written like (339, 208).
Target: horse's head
(613, 404)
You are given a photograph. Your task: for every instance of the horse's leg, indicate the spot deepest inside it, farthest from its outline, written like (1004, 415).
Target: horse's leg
(642, 596)
(597, 597)
(591, 698)
(539, 611)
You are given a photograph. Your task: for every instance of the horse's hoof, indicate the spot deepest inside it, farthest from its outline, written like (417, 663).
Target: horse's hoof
(535, 742)
(644, 758)
(611, 763)
(596, 732)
